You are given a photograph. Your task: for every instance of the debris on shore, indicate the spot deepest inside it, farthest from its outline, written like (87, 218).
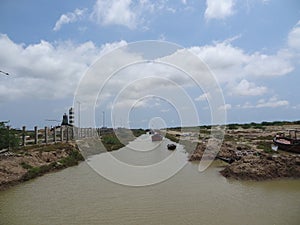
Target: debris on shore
(249, 154)
(249, 164)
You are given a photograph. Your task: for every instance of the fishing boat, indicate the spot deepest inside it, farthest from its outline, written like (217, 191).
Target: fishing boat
(156, 137)
(171, 146)
(288, 143)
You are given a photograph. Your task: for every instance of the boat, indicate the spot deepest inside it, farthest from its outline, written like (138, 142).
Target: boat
(171, 146)
(156, 137)
(290, 143)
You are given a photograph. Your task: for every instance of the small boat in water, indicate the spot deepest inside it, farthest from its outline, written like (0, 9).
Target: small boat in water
(290, 143)
(156, 137)
(171, 146)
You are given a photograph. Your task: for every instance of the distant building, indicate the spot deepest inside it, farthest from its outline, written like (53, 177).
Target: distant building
(71, 116)
(65, 120)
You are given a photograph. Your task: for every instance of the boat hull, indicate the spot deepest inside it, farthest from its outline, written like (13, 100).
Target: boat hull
(171, 146)
(156, 137)
(293, 147)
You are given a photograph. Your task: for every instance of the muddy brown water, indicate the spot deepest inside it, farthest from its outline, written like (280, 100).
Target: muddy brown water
(79, 195)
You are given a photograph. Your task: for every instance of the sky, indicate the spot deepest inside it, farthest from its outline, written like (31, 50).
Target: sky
(251, 48)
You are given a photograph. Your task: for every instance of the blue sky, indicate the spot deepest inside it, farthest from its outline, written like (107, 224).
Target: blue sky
(252, 47)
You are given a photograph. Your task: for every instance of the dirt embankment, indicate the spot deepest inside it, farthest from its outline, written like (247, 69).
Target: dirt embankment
(253, 164)
(264, 166)
(32, 161)
(250, 155)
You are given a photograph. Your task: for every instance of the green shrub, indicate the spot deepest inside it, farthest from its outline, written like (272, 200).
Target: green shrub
(232, 126)
(266, 146)
(8, 138)
(246, 126)
(25, 165)
(72, 159)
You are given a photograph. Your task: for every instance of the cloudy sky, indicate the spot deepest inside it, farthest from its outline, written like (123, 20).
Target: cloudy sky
(251, 47)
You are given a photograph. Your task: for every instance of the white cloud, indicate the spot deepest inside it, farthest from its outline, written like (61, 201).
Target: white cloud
(272, 102)
(203, 97)
(115, 12)
(128, 13)
(229, 62)
(165, 110)
(247, 88)
(225, 107)
(294, 37)
(70, 17)
(268, 65)
(46, 70)
(223, 59)
(216, 9)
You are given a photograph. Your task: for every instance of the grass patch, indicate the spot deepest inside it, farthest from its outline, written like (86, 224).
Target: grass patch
(120, 137)
(138, 132)
(38, 171)
(265, 146)
(71, 160)
(172, 137)
(25, 165)
(111, 142)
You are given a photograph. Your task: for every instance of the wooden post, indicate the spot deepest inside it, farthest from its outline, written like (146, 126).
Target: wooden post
(54, 134)
(35, 135)
(23, 136)
(46, 135)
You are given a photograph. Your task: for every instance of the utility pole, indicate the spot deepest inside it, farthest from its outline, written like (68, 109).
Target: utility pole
(103, 119)
(78, 113)
(79, 128)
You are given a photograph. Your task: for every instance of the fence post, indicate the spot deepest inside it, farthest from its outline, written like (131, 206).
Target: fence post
(23, 136)
(72, 133)
(61, 133)
(35, 135)
(46, 135)
(67, 134)
(54, 134)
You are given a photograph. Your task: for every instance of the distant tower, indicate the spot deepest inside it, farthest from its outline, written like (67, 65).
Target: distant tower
(65, 120)
(71, 116)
